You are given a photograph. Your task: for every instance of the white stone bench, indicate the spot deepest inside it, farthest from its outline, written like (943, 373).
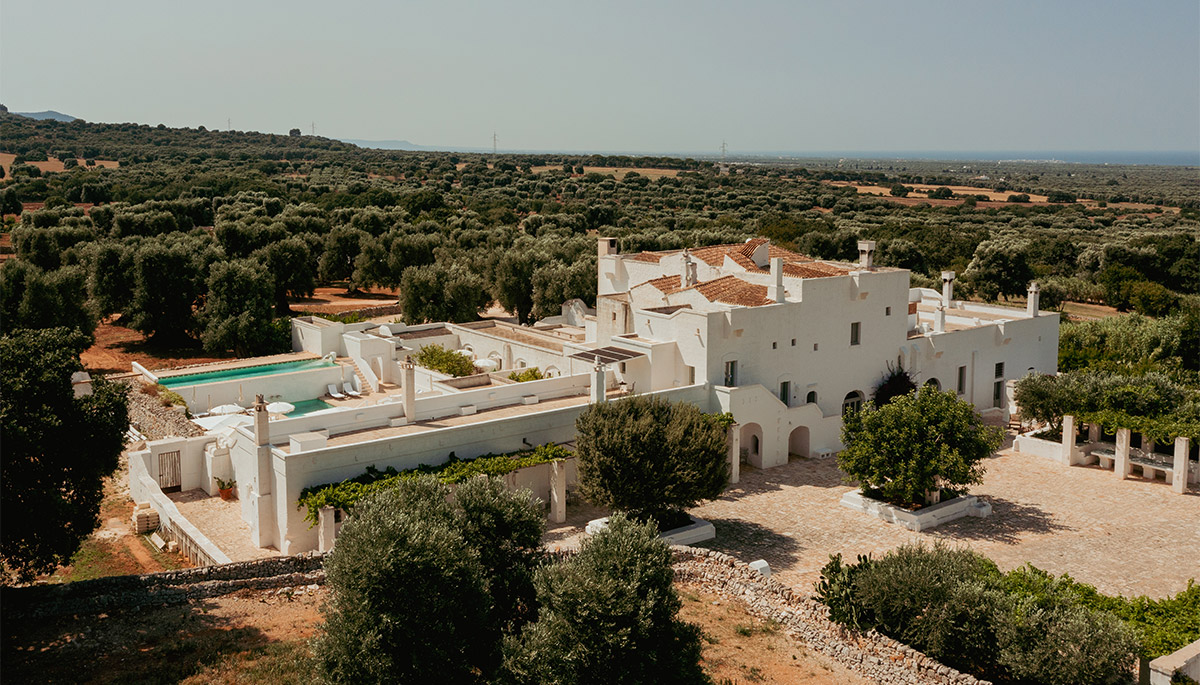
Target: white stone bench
(1151, 467)
(1106, 457)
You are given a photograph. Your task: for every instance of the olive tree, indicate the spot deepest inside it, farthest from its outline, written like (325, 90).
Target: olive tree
(916, 443)
(651, 457)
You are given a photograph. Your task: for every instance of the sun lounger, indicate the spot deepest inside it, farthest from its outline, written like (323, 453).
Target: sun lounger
(333, 392)
(349, 390)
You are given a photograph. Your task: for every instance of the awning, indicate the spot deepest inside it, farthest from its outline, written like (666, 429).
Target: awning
(607, 355)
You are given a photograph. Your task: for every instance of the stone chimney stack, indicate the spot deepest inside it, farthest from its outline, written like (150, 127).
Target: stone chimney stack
(687, 275)
(598, 382)
(866, 254)
(409, 389)
(775, 291)
(1032, 308)
(262, 432)
(606, 246)
(939, 320)
(947, 288)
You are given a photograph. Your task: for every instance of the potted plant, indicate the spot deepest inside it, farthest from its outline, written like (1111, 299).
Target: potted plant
(225, 487)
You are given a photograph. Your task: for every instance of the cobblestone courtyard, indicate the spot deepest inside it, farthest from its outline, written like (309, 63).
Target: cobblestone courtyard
(1128, 537)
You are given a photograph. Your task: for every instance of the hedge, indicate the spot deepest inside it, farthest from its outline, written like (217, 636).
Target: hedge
(346, 494)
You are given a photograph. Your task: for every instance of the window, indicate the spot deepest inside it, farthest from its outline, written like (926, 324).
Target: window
(774, 345)
(887, 311)
(814, 347)
(793, 342)
(731, 373)
(962, 380)
(621, 366)
(855, 329)
(811, 398)
(934, 383)
(998, 394)
(691, 375)
(853, 402)
(1000, 370)
(785, 393)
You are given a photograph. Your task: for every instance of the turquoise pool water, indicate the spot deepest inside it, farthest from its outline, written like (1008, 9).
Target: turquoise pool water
(242, 373)
(303, 407)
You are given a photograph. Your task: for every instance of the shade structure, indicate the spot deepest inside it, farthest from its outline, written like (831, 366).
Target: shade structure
(227, 409)
(281, 408)
(487, 364)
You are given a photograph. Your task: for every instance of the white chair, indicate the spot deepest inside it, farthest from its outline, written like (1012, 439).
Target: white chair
(333, 392)
(349, 390)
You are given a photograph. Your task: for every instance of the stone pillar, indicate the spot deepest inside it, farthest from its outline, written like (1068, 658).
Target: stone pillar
(1121, 464)
(326, 528)
(775, 291)
(1180, 476)
(409, 389)
(1031, 307)
(947, 288)
(1093, 432)
(598, 381)
(939, 319)
(262, 430)
(558, 491)
(735, 453)
(1068, 440)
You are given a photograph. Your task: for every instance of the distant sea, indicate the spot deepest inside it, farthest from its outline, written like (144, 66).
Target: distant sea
(1165, 158)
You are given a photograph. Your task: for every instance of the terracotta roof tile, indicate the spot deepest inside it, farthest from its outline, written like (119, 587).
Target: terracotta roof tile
(733, 290)
(751, 245)
(667, 284)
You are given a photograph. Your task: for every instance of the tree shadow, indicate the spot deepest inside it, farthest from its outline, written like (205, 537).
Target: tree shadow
(1009, 520)
(749, 541)
(157, 645)
(798, 472)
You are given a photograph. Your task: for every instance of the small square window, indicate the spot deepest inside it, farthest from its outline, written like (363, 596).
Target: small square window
(814, 347)
(793, 342)
(887, 311)
(1000, 370)
(774, 346)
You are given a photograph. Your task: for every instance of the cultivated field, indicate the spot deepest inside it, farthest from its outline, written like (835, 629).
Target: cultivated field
(53, 165)
(996, 199)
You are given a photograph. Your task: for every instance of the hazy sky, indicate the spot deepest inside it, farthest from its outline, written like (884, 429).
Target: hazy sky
(831, 76)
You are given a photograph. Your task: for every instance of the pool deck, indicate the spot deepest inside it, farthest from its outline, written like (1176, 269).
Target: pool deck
(230, 364)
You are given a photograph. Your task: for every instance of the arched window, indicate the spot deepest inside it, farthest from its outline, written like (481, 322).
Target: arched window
(811, 397)
(520, 363)
(933, 383)
(853, 402)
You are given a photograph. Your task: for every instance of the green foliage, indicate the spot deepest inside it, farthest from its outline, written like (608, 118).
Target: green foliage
(33, 298)
(835, 590)
(608, 615)
(439, 293)
(346, 494)
(450, 362)
(650, 457)
(999, 268)
(918, 442)
(1150, 403)
(528, 374)
(57, 447)
(239, 309)
(895, 383)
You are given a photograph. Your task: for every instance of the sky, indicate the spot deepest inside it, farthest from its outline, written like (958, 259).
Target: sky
(816, 76)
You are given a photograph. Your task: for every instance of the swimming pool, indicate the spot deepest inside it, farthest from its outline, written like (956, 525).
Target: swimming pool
(303, 407)
(243, 372)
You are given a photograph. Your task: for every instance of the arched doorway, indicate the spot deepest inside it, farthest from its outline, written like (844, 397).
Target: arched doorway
(798, 442)
(752, 443)
(934, 383)
(852, 402)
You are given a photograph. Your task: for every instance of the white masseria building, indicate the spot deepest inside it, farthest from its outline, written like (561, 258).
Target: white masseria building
(784, 342)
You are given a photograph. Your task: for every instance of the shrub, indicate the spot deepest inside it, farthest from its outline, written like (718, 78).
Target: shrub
(530, 374)
(917, 443)
(650, 457)
(895, 383)
(608, 615)
(408, 599)
(835, 590)
(450, 362)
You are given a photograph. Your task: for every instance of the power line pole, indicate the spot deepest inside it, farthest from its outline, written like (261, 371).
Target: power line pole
(723, 147)
(312, 128)
(229, 124)
(493, 142)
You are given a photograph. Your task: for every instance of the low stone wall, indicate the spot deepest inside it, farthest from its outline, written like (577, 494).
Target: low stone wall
(872, 655)
(152, 419)
(372, 312)
(131, 593)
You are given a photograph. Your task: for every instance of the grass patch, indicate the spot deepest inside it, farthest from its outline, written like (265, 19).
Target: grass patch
(277, 663)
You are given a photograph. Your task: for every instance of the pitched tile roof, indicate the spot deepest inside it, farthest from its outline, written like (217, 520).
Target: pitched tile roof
(733, 290)
(794, 264)
(667, 284)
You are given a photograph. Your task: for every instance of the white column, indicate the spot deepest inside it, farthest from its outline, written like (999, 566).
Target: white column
(326, 525)
(735, 453)
(1068, 440)
(598, 381)
(410, 390)
(558, 491)
(1180, 476)
(1121, 465)
(947, 288)
(1032, 305)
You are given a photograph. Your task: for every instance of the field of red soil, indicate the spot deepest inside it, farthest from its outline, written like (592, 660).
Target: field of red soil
(332, 300)
(116, 347)
(617, 172)
(54, 165)
(998, 199)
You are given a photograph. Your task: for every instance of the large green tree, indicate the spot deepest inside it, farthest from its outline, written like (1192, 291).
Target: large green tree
(238, 311)
(916, 443)
(650, 457)
(57, 448)
(289, 262)
(32, 298)
(441, 293)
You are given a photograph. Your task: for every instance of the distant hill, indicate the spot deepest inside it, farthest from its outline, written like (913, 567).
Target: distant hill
(48, 114)
(405, 145)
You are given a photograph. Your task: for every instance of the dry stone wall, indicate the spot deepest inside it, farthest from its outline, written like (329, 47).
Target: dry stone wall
(152, 419)
(872, 655)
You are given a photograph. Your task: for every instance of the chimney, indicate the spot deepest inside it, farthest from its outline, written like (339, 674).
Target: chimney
(687, 276)
(410, 390)
(1034, 299)
(598, 382)
(939, 320)
(947, 288)
(262, 433)
(606, 246)
(866, 254)
(775, 292)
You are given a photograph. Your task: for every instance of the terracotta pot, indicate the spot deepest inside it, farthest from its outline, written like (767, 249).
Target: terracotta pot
(226, 493)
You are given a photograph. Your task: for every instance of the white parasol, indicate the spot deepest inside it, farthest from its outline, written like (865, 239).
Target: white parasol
(227, 409)
(281, 408)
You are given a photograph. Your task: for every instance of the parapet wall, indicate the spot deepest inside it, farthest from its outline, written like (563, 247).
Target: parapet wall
(872, 655)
